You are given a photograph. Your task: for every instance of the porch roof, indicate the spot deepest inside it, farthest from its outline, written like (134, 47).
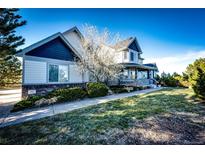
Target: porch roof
(145, 67)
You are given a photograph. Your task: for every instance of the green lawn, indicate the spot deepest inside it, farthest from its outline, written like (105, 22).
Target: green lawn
(169, 116)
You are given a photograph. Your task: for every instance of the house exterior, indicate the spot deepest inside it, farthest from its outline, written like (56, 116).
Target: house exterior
(135, 72)
(50, 63)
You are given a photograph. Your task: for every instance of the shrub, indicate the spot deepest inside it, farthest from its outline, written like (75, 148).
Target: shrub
(138, 88)
(69, 94)
(122, 89)
(118, 89)
(170, 80)
(63, 94)
(26, 103)
(129, 88)
(96, 89)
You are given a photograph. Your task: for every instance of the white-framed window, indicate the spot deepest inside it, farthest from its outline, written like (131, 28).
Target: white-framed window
(131, 56)
(58, 73)
(125, 54)
(132, 75)
(126, 73)
(142, 75)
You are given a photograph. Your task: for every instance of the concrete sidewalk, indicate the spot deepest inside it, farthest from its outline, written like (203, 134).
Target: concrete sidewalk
(8, 97)
(37, 113)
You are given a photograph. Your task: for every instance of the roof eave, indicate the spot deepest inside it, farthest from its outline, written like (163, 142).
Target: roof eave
(39, 43)
(74, 29)
(138, 66)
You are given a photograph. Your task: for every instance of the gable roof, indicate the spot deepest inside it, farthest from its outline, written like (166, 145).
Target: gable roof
(124, 44)
(74, 29)
(44, 41)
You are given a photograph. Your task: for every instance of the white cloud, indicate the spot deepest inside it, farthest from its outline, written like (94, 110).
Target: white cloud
(176, 63)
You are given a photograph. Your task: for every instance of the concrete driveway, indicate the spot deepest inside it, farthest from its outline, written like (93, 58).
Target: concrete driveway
(7, 99)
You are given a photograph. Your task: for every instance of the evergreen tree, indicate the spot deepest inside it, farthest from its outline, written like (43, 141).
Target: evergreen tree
(10, 71)
(196, 75)
(192, 70)
(10, 66)
(9, 42)
(199, 86)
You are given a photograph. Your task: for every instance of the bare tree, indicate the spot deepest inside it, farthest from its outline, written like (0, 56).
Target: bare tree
(98, 58)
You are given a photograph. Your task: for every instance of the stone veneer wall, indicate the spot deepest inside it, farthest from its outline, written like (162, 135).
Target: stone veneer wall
(43, 89)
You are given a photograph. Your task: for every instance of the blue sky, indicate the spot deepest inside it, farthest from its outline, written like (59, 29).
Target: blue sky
(171, 37)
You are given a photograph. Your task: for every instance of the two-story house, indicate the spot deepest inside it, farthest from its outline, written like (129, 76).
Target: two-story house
(50, 63)
(129, 54)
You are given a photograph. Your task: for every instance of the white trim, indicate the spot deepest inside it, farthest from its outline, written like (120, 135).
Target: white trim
(40, 43)
(74, 29)
(58, 73)
(23, 70)
(34, 58)
(126, 47)
(37, 44)
(48, 61)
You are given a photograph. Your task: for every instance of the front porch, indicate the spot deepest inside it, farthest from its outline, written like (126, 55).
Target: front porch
(136, 75)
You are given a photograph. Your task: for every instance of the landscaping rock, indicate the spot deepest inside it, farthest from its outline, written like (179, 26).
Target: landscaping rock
(110, 92)
(44, 101)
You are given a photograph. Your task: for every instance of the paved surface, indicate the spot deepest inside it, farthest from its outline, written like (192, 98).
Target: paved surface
(37, 113)
(7, 99)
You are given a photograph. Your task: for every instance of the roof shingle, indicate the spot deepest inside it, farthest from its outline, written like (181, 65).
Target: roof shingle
(123, 43)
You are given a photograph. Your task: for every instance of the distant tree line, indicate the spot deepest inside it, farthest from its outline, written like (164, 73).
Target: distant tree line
(193, 77)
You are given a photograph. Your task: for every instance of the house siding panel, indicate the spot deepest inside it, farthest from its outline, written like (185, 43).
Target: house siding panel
(75, 75)
(86, 77)
(55, 49)
(35, 72)
(75, 41)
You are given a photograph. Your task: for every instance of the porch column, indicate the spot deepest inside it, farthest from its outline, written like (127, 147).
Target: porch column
(153, 74)
(136, 73)
(148, 74)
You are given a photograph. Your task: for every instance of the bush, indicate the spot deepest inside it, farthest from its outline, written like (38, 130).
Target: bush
(63, 94)
(68, 94)
(138, 88)
(96, 89)
(26, 103)
(122, 89)
(118, 89)
(170, 80)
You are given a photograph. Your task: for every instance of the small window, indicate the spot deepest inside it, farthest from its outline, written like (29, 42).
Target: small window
(125, 54)
(58, 73)
(125, 73)
(53, 73)
(131, 56)
(63, 73)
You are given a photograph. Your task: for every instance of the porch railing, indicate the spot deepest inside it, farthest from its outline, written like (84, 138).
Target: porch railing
(129, 82)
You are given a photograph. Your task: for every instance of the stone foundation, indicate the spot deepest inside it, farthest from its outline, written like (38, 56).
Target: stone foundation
(43, 89)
